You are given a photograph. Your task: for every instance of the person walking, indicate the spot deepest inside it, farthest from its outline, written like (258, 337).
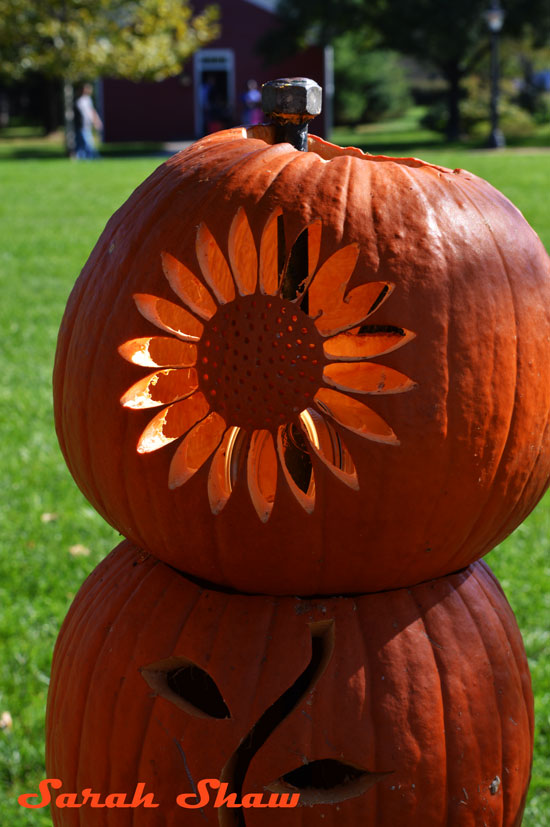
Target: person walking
(252, 104)
(86, 118)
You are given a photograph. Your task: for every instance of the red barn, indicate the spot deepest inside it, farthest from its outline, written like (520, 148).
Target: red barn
(175, 109)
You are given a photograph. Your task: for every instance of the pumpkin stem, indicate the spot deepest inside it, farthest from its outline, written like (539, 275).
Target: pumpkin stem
(290, 103)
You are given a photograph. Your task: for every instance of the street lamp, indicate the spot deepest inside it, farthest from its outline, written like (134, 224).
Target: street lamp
(494, 17)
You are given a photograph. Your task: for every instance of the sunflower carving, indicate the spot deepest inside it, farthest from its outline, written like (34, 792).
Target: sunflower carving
(265, 356)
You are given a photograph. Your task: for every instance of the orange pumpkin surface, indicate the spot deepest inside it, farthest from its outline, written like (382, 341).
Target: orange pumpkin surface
(411, 707)
(309, 372)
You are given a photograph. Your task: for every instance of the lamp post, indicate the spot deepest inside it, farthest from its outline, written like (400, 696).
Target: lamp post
(494, 18)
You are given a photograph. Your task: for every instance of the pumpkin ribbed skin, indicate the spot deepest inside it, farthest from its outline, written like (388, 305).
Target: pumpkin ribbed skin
(469, 454)
(429, 685)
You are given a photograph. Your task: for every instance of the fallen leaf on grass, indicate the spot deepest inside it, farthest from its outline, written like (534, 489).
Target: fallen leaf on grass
(6, 721)
(79, 550)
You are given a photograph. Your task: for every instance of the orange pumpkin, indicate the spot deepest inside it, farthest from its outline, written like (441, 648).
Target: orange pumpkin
(411, 707)
(309, 372)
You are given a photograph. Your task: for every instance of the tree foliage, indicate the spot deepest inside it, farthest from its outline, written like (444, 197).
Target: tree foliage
(372, 88)
(450, 36)
(83, 39)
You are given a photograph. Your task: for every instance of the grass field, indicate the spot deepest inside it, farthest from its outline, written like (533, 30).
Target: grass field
(52, 212)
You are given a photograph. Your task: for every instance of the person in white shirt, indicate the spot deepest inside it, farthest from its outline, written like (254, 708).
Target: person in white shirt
(86, 118)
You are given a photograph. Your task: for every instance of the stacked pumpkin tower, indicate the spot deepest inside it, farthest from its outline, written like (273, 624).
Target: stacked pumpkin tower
(316, 373)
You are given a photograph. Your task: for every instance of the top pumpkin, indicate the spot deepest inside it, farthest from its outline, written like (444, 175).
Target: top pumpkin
(301, 373)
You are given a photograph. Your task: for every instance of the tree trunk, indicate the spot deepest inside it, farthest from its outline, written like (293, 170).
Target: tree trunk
(453, 76)
(70, 132)
(4, 109)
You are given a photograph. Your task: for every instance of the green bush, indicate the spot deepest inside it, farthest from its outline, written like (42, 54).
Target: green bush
(436, 116)
(541, 112)
(370, 84)
(514, 121)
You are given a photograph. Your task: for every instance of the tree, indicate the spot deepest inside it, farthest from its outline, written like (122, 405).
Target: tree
(370, 89)
(81, 40)
(450, 36)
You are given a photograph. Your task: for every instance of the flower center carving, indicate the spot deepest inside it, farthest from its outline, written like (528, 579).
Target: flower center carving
(260, 359)
(266, 353)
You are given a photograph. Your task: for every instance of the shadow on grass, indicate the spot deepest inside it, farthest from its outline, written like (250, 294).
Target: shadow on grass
(30, 154)
(43, 152)
(134, 150)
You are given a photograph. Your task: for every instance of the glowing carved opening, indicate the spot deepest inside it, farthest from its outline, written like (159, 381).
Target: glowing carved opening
(280, 333)
(262, 473)
(366, 377)
(188, 287)
(329, 447)
(296, 464)
(372, 340)
(242, 254)
(354, 415)
(214, 266)
(169, 316)
(159, 352)
(296, 272)
(269, 256)
(161, 388)
(224, 468)
(172, 422)
(195, 449)
(301, 264)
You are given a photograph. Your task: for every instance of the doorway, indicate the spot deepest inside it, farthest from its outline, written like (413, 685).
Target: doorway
(214, 73)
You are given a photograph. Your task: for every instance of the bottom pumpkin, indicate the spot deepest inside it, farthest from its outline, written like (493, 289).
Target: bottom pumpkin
(405, 708)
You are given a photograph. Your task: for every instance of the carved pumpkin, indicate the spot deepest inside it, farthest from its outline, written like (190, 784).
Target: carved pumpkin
(411, 707)
(335, 365)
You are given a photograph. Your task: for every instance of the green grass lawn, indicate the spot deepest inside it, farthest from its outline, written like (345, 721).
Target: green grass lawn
(52, 212)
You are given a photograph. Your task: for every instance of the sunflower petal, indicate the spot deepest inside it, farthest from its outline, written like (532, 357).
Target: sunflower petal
(242, 254)
(355, 308)
(330, 306)
(188, 287)
(331, 280)
(220, 477)
(269, 256)
(159, 352)
(161, 388)
(296, 464)
(366, 377)
(195, 449)
(169, 317)
(261, 469)
(172, 422)
(350, 347)
(329, 447)
(355, 416)
(214, 266)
